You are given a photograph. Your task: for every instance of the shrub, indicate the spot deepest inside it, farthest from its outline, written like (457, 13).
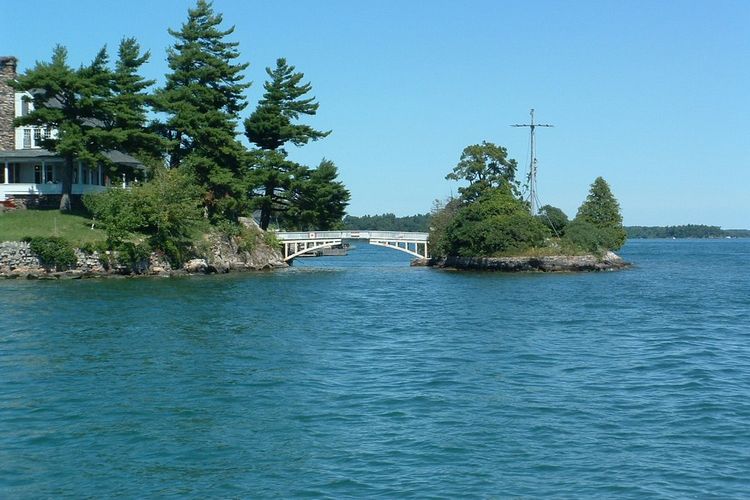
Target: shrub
(53, 251)
(495, 224)
(165, 209)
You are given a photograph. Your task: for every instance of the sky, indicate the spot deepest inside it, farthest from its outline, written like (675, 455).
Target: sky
(651, 95)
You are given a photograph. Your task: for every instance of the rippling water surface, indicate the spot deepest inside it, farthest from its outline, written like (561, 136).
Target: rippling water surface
(363, 377)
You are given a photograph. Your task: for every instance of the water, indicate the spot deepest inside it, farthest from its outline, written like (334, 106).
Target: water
(363, 377)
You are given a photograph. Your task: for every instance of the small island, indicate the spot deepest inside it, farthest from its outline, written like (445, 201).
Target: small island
(490, 226)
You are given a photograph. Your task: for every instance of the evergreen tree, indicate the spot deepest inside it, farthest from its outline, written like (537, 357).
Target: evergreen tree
(270, 127)
(319, 200)
(601, 211)
(202, 99)
(128, 105)
(74, 102)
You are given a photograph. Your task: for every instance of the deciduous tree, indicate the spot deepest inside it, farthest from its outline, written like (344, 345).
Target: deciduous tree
(484, 166)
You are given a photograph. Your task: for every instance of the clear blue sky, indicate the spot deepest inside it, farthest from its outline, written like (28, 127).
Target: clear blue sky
(651, 95)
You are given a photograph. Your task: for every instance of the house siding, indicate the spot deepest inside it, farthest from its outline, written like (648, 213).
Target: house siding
(7, 103)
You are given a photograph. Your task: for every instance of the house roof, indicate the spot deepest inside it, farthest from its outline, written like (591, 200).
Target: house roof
(42, 154)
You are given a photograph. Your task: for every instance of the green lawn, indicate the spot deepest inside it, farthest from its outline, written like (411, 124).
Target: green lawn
(16, 224)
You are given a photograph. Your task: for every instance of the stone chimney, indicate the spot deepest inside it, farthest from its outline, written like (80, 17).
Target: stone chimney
(7, 103)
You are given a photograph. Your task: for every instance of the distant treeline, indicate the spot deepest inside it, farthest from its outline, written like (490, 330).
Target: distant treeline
(421, 223)
(687, 231)
(389, 222)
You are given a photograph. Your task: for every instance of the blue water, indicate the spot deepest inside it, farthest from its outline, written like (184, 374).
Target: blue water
(363, 377)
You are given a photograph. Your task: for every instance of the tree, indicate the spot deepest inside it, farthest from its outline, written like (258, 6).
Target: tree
(270, 127)
(202, 99)
(484, 166)
(319, 199)
(602, 211)
(554, 218)
(74, 103)
(496, 223)
(128, 105)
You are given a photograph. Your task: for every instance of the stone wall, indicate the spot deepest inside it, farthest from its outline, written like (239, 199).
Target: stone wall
(7, 103)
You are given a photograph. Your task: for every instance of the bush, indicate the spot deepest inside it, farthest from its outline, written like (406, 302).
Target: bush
(165, 209)
(590, 238)
(554, 218)
(497, 223)
(53, 251)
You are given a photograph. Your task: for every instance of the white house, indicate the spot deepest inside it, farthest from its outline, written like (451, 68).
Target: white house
(34, 174)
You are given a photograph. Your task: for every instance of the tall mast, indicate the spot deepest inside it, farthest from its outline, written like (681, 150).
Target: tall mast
(532, 162)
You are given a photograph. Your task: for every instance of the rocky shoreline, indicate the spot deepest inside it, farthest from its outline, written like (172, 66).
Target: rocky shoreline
(552, 263)
(222, 254)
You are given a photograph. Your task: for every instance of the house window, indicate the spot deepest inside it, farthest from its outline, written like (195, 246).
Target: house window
(37, 174)
(37, 137)
(49, 173)
(47, 133)
(24, 107)
(26, 138)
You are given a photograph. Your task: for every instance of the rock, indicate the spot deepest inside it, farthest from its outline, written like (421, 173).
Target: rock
(195, 266)
(552, 263)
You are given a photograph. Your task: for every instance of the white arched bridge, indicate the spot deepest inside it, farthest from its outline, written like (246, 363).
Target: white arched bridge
(298, 242)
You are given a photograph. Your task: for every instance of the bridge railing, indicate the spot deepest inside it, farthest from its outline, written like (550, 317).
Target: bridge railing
(353, 235)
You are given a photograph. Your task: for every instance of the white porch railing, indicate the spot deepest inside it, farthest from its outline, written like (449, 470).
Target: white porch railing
(27, 189)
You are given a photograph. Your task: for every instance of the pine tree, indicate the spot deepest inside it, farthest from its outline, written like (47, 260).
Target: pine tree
(74, 102)
(202, 99)
(319, 200)
(128, 105)
(270, 127)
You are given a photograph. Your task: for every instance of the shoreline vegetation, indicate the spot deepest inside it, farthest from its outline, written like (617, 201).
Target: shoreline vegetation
(493, 226)
(199, 181)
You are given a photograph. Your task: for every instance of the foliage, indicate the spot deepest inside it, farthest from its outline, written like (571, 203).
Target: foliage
(602, 211)
(127, 107)
(318, 200)
(388, 222)
(117, 212)
(73, 102)
(484, 166)
(586, 236)
(165, 209)
(554, 218)
(202, 99)
(271, 124)
(277, 180)
(497, 223)
(686, 231)
(53, 251)
(94, 109)
(440, 219)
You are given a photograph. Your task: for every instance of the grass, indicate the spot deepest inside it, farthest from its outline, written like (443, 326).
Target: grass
(76, 228)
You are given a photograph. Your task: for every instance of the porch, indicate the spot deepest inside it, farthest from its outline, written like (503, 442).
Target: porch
(41, 175)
